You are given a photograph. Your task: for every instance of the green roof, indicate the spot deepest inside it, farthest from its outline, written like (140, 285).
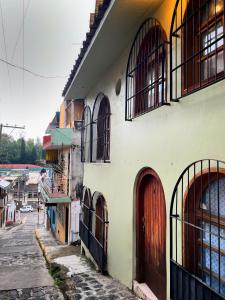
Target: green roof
(62, 136)
(58, 200)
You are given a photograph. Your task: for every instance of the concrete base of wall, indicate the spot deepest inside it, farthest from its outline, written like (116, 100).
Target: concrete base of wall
(84, 250)
(142, 291)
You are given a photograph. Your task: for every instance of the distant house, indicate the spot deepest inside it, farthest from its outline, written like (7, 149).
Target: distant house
(62, 149)
(4, 189)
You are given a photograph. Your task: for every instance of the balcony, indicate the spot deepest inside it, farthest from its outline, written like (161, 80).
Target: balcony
(54, 192)
(58, 138)
(2, 203)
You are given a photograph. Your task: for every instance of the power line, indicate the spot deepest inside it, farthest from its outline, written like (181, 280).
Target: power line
(9, 126)
(3, 31)
(29, 71)
(20, 31)
(23, 49)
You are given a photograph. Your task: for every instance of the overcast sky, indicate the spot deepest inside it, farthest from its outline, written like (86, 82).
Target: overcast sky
(51, 28)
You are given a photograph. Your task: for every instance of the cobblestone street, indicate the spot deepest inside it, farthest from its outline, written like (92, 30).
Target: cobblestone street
(24, 274)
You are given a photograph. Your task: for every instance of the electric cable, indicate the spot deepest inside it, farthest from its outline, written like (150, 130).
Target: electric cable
(20, 31)
(31, 72)
(5, 48)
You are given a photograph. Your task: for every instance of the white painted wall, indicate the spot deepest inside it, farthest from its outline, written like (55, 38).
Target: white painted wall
(167, 140)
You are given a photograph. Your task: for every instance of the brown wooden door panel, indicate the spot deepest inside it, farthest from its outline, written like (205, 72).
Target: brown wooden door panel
(151, 247)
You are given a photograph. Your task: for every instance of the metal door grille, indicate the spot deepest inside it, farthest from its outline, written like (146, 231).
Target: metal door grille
(197, 229)
(95, 242)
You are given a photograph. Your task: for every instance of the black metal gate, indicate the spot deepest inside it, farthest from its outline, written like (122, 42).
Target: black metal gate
(197, 230)
(97, 245)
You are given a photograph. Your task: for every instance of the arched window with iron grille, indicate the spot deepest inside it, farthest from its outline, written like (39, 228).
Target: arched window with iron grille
(197, 228)
(101, 129)
(86, 135)
(85, 217)
(146, 76)
(101, 219)
(196, 46)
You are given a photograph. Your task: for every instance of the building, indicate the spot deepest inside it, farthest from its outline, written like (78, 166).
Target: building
(24, 179)
(152, 76)
(61, 194)
(4, 188)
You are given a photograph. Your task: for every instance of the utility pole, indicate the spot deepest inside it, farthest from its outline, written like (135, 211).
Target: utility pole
(9, 126)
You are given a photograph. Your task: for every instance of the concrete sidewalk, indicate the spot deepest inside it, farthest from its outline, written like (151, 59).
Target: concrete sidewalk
(85, 282)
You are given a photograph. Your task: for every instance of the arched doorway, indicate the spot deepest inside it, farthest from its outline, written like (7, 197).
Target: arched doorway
(151, 233)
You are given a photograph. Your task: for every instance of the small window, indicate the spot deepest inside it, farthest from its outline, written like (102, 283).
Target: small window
(197, 46)
(101, 129)
(86, 135)
(146, 78)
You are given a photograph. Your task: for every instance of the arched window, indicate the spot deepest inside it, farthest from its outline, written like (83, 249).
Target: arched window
(101, 129)
(86, 135)
(100, 220)
(146, 84)
(197, 45)
(198, 231)
(86, 206)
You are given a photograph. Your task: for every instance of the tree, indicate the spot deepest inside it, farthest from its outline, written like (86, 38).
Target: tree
(23, 157)
(19, 151)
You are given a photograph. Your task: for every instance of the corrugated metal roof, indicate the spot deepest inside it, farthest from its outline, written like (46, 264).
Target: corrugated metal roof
(4, 184)
(19, 166)
(58, 200)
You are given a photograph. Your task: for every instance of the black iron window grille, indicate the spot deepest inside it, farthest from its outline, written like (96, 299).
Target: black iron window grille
(101, 129)
(93, 226)
(86, 135)
(197, 229)
(196, 46)
(146, 76)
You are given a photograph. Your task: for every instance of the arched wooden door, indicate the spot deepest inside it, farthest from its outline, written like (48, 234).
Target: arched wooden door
(151, 233)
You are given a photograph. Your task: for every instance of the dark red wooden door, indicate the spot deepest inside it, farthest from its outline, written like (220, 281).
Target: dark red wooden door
(152, 235)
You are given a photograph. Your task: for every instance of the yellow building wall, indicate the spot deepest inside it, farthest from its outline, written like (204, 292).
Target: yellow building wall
(60, 232)
(62, 115)
(78, 110)
(167, 140)
(60, 226)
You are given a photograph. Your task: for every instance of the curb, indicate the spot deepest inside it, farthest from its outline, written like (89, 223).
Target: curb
(42, 246)
(68, 284)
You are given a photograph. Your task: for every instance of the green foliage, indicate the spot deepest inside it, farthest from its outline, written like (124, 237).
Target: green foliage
(19, 151)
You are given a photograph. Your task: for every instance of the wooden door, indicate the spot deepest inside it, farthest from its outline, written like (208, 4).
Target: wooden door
(151, 234)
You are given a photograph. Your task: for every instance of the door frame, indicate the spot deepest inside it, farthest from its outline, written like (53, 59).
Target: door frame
(141, 174)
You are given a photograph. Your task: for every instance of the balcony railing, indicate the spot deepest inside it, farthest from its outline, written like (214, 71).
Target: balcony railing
(57, 188)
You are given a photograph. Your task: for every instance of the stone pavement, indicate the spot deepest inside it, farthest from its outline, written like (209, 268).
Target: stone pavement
(40, 293)
(23, 270)
(88, 283)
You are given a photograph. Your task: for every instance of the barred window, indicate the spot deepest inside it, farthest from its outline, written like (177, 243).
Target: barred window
(101, 129)
(100, 220)
(86, 207)
(86, 135)
(198, 211)
(146, 78)
(197, 45)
